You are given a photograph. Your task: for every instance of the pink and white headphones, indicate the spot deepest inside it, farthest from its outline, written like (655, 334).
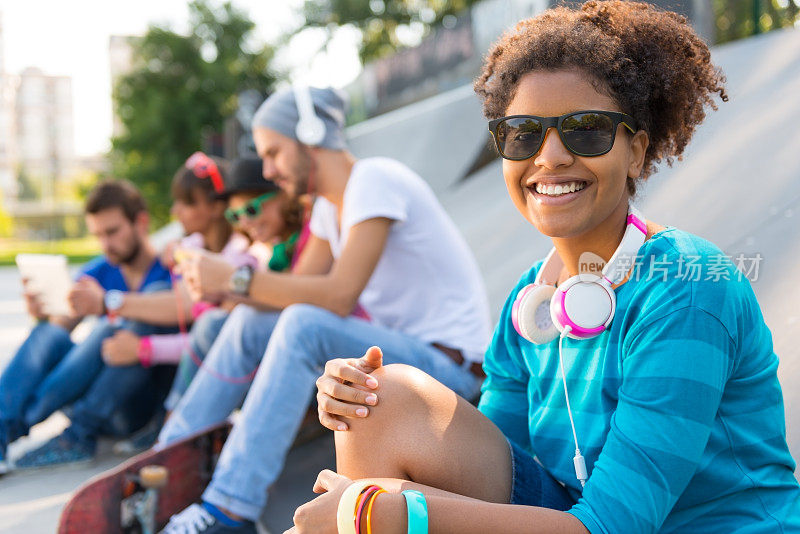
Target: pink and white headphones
(586, 302)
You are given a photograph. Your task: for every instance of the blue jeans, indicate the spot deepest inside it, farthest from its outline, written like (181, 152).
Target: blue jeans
(202, 335)
(531, 485)
(292, 349)
(49, 372)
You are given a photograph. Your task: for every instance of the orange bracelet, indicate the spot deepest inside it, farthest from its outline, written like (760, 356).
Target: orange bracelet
(369, 508)
(361, 504)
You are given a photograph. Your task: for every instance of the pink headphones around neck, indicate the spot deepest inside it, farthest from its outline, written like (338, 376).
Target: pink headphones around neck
(586, 303)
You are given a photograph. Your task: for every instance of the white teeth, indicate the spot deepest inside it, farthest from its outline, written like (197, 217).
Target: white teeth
(561, 189)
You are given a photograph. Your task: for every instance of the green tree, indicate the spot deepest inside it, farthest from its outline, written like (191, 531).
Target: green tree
(28, 190)
(179, 92)
(381, 22)
(735, 19)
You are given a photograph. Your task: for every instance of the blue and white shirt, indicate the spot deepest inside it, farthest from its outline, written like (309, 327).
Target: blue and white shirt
(677, 406)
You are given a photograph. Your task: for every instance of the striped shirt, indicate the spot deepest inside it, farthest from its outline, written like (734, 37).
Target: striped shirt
(677, 406)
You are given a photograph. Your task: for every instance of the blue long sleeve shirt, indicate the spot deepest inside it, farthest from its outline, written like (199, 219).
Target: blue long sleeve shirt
(677, 406)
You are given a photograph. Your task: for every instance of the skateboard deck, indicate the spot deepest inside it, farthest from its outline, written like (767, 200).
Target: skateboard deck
(119, 500)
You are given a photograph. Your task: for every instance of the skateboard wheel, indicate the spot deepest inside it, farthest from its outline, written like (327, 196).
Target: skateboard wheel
(153, 476)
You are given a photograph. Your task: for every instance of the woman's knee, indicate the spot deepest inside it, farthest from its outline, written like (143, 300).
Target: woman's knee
(404, 393)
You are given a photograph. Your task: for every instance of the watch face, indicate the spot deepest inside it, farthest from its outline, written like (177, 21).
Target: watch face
(114, 299)
(240, 281)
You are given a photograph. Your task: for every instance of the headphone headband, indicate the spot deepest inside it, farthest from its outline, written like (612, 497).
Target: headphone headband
(632, 240)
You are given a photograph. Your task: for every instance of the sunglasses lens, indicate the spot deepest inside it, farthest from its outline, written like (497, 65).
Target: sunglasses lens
(519, 137)
(588, 134)
(252, 211)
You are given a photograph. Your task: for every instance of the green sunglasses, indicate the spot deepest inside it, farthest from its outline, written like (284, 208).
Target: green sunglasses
(584, 133)
(250, 210)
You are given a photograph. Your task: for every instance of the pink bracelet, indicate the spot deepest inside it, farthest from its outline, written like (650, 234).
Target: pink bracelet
(362, 501)
(200, 307)
(145, 351)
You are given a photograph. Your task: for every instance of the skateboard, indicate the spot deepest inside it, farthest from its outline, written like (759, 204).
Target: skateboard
(141, 494)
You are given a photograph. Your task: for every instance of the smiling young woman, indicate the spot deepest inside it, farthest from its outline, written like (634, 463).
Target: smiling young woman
(629, 400)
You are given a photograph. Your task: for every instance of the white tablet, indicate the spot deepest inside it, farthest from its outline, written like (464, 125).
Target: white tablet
(48, 276)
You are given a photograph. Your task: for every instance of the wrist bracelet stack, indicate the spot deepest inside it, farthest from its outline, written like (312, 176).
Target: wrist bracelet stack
(355, 509)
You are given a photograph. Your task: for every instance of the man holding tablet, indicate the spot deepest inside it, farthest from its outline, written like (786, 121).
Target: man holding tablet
(49, 371)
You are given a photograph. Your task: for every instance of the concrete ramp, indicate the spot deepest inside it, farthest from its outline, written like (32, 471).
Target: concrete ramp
(439, 137)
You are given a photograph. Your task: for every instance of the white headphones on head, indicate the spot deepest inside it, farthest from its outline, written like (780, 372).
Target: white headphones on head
(310, 129)
(586, 303)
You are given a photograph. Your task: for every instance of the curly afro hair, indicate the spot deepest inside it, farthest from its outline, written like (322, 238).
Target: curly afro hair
(651, 62)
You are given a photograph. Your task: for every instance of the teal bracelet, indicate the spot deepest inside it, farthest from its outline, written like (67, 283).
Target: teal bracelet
(417, 512)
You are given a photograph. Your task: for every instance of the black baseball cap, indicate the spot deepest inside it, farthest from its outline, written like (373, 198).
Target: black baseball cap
(245, 176)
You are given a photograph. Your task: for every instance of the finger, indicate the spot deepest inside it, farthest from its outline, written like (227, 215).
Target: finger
(325, 480)
(345, 370)
(343, 409)
(331, 422)
(345, 393)
(372, 359)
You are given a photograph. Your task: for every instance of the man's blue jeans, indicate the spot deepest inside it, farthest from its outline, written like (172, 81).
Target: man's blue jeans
(49, 372)
(201, 337)
(292, 349)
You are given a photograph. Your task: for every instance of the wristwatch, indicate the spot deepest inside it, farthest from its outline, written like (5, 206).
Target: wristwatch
(112, 301)
(241, 279)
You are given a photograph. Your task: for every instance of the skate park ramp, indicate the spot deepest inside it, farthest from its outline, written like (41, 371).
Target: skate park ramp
(738, 186)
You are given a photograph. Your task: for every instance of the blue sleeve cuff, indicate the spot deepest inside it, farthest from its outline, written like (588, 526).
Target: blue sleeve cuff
(587, 519)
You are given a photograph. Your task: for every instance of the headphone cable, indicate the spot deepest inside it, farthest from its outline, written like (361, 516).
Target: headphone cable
(578, 460)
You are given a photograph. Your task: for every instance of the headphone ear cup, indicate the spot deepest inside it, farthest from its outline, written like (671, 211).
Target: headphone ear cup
(587, 307)
(310, 131)
(531, 314)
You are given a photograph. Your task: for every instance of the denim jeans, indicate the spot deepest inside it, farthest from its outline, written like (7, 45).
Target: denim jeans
(49, 372)
(531, 485)
(303, 338)
(201, 337)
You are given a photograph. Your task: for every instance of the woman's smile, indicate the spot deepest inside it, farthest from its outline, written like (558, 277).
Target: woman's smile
(556, 192)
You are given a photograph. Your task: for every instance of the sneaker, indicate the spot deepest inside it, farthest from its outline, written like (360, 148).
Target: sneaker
(5, 467)
(142, 439)
(206, 519)
(61, 450)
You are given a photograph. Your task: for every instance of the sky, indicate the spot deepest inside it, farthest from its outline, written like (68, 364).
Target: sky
(71, 38)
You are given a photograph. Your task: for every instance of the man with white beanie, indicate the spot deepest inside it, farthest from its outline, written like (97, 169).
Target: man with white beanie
(379, 238)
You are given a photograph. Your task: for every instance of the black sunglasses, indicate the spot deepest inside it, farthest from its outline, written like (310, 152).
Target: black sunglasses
(584, 133)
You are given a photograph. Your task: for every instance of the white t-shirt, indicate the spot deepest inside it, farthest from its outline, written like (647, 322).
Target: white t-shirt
(426, 283)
